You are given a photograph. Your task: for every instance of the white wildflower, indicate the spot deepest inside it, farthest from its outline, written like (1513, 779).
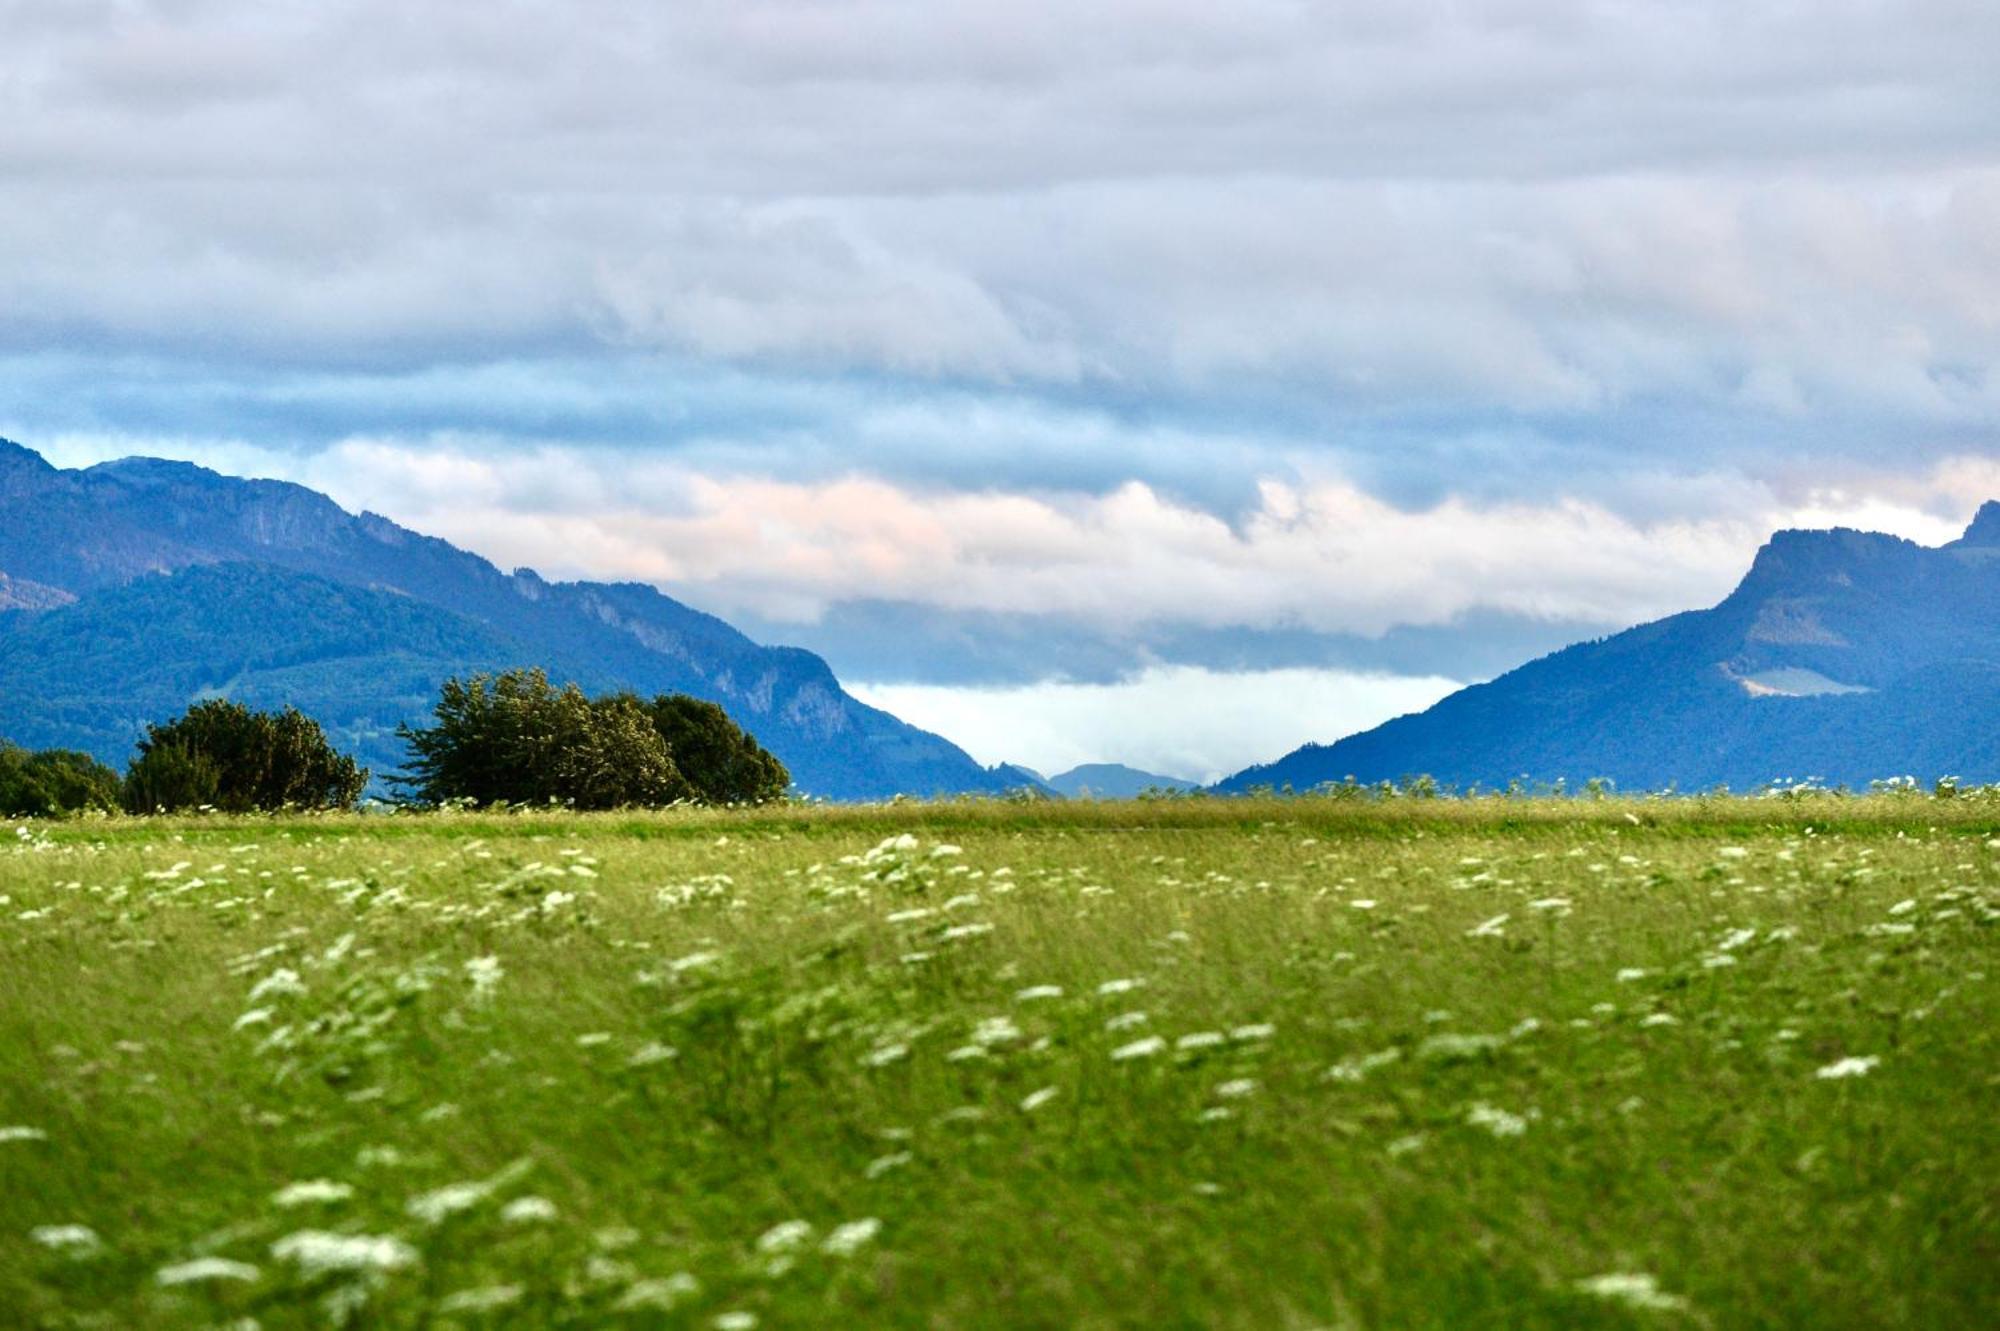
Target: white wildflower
(785, 1236)
(883, 1055)
(650, 1053)
(1237, 1089)
(1256, 1030)
(693, 961)
(317, 1252)
(661, 1294)
(736, 1319)
(483, 1298)
(971, 930)
(1037, 991)
(73, 1239)
(1630, 973)
(1659, 1019)
(281, 983)
(312, 1192)
(906, 916)
(1452, 1047)
(528, 1211)
(1036, 1099)
(1732, 853)
(1903, 907)
(1355, 1069)
(882, 1164)
(1496, 1121)
(1848, 1067)
(1194, 1040)
(1551, 903)
(1145, 1048)
(1493, 928)
(1405, 1145)
(850, 1238)
(256, 1016)
(1125, 1021)
(1735, 938)
(995, 1030)
(205, 1268)
(484, 975)
(1119, 986)
(945, 850)
(1631, 1288)
(22, 1133)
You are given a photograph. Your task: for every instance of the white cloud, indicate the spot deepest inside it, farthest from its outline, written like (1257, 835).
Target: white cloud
(1320, 554)
(1170, 720)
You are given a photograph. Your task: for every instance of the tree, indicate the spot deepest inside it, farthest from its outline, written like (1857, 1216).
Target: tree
(719, 758)
(518, 738)
(225, 755)
(50, 783)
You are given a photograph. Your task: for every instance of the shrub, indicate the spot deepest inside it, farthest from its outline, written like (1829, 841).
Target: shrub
(51, 783)
(227, 756)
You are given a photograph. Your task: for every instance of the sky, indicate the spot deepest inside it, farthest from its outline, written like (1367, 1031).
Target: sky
(1162, 382)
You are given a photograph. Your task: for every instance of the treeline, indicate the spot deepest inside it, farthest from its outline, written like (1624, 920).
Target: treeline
(512, 738)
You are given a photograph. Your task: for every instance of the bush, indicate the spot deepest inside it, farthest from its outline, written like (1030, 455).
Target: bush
(51, 783)
(515, 737)
(226, 756)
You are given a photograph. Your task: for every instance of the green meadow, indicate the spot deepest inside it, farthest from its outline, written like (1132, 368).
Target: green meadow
(1313, 1063)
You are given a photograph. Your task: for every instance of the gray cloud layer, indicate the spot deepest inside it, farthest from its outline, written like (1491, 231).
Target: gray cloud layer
(1651, 275)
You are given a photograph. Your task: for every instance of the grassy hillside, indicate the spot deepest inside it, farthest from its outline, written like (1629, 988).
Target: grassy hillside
(1202, 1063)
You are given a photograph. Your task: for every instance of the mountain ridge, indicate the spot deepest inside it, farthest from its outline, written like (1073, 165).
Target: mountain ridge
(1841, 655)
(79, 533)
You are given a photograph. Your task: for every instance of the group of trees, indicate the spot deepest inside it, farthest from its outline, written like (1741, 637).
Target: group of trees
(513, 738)
(516, 737)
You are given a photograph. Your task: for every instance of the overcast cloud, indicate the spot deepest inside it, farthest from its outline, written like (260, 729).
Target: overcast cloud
(1159, 321)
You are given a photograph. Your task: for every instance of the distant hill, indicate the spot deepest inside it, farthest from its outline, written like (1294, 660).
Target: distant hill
(1112, 781)
(1843, 655)
(130, 589)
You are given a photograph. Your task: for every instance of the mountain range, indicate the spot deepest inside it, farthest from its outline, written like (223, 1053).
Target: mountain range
(132, 588)
(1843, 655)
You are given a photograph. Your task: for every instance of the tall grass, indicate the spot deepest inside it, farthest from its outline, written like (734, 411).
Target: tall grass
(1313, 1063)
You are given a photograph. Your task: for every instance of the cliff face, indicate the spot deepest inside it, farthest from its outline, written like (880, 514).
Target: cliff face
(1842, 655)
(266, 547)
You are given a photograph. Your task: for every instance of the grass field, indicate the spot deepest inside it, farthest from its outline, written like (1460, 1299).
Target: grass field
(1317, 1063)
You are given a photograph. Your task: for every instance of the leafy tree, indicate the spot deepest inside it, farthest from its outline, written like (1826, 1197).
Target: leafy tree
(53, 782)
(719, 758)
(516, 737)
(226, 755)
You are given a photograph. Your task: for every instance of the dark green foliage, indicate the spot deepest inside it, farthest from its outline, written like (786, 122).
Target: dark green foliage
(723, 763)
(224, 755)
(515, 737)
(518, 738)
(53, 782)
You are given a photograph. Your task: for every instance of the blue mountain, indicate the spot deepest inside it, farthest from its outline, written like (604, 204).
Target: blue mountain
(1843, 655)
(130, 589)
(1112, 781)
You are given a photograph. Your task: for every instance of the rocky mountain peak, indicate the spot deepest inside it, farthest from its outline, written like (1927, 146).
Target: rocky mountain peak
(1985, 528)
